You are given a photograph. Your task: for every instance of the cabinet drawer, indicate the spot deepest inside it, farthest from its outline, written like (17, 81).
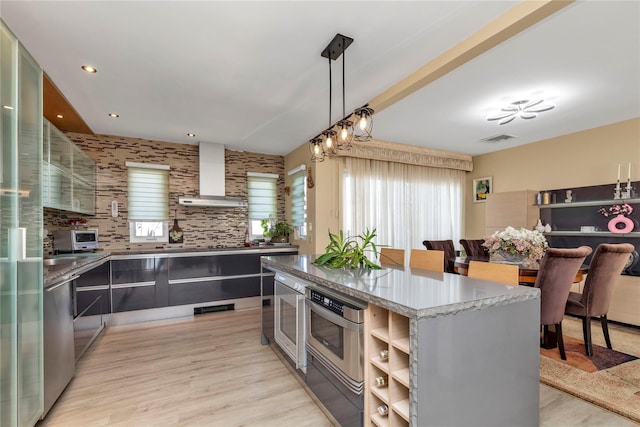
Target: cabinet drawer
(211, 266)
(133, 270)
(133, 298)
(213, 290)
(98, 276)
(86, 300)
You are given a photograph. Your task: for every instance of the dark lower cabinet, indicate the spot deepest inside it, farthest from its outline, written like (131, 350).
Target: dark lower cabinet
(213, 290)
(136, 297)
(91, 302)
(266, 292)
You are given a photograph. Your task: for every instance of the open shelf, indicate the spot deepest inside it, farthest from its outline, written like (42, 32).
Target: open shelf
(588, 203)
(389, 331)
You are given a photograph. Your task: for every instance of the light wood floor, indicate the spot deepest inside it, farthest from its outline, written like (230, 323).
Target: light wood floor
(211, 370)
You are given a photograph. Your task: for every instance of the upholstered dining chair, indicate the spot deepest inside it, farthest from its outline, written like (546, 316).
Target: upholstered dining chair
(392, 256)
(502, 273)
(473, 247)
(555, 276)
(449, 252)
(605, 267)
(427, 260)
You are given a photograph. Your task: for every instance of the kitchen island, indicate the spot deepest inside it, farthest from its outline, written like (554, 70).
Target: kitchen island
(462, 351)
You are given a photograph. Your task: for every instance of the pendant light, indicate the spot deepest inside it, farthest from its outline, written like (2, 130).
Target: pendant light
(357, 126)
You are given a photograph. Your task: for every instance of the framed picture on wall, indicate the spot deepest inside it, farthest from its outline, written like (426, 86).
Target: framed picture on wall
(482, 187)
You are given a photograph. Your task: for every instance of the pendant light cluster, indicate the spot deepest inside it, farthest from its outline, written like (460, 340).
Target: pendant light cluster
(355, 127)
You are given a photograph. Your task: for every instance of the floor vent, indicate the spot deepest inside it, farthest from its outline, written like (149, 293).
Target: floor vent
(213, 309)
(497, 138)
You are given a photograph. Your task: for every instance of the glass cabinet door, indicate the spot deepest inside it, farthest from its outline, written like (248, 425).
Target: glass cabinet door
(21, 363)
(84, 171)
(60, 170)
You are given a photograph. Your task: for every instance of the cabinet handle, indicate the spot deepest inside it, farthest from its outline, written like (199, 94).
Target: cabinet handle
(133, 285)
(64, 282)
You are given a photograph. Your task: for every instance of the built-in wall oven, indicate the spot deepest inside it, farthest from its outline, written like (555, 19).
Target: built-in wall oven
(335, 352)
(289, 317)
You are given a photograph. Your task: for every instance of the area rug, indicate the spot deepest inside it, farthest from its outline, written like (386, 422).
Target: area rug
(610, 379)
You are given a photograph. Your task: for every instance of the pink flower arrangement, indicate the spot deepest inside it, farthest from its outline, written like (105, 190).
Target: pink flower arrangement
(614, 210)
(528, 243)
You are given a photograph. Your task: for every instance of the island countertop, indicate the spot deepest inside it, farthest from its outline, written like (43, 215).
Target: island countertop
(411, 292)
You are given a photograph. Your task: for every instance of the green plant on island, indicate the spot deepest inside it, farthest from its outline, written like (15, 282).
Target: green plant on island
(278, 231)
(350, 251)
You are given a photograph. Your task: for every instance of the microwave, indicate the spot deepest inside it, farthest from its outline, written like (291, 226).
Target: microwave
(75, 240)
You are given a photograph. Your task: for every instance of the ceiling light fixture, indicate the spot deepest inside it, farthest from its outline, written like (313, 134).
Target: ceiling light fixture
(114, 115)
(89, 69)
(357, 126)
(60, 116)
(524, 109)
(192, 135)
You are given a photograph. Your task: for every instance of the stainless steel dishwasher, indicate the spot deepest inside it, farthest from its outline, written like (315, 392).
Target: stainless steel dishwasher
(59, 353)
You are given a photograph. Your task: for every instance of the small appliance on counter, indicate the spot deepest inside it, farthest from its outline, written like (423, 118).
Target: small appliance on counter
(75, 240)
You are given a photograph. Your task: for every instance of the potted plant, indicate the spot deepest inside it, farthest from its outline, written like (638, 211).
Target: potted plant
(350, 251)
(278, 231)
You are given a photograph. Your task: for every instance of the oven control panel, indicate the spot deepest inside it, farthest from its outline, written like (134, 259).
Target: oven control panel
(328, 303)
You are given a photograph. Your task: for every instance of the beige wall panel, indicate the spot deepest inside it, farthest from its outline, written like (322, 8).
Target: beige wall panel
(576, 160)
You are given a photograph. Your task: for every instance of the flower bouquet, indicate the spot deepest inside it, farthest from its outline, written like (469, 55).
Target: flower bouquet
(615, 210)
(516, 245)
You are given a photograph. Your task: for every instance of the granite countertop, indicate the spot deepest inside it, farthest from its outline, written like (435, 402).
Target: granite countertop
(410, 292)
(84, 261)
(78, 263)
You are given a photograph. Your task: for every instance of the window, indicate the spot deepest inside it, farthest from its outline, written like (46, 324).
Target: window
(148, 192)
(263, 200)
(405, 203)
(299, 201)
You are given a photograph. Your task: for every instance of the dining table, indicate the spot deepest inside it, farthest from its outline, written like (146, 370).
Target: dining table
(527, 272)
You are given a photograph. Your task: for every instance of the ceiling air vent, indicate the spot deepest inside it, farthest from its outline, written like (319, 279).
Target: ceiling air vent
(497, 138)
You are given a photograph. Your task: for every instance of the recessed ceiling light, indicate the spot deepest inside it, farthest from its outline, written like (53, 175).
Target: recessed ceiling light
(8, 107)
(60, 116)
(192, 135)
(89, 69)
(114, 115)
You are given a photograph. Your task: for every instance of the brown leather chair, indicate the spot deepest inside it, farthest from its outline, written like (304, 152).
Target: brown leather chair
(473, 247)
(607, 263)
(449, 252)
(555, 276)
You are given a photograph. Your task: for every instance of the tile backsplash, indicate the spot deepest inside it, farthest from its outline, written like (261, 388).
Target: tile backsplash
(203, 226)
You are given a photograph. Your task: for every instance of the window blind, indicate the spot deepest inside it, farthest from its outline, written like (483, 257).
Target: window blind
(298, 197)
(148, 189)
(262, 195)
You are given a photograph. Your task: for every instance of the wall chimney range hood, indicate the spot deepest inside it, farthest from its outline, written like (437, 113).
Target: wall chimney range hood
(211, 173)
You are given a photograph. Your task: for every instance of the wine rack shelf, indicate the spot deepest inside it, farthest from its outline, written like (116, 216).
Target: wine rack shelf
(387, 369)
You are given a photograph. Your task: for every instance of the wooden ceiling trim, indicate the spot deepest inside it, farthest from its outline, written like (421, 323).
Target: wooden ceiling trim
(516, 20)
(54, 103)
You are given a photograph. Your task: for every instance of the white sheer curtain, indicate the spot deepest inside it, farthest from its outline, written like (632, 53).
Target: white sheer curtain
(405, 203)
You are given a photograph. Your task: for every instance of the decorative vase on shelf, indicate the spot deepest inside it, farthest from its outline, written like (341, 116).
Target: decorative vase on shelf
(620, 224)
(539, 227)
(547, 228)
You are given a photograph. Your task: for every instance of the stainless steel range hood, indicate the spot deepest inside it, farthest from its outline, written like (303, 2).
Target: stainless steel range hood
(211, 173)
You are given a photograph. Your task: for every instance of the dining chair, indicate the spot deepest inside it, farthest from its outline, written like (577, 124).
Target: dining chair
(427, 260)
(473, 247)
(555, 276)
(605, 268)
(392, 256)
(501, 273)
(449, 252)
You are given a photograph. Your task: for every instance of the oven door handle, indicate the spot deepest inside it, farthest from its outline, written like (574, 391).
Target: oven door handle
(331, 316)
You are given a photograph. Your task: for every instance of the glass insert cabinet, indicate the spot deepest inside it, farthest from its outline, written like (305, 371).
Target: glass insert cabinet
(21, 350)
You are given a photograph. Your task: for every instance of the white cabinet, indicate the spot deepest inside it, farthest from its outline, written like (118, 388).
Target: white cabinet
(68, 174)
